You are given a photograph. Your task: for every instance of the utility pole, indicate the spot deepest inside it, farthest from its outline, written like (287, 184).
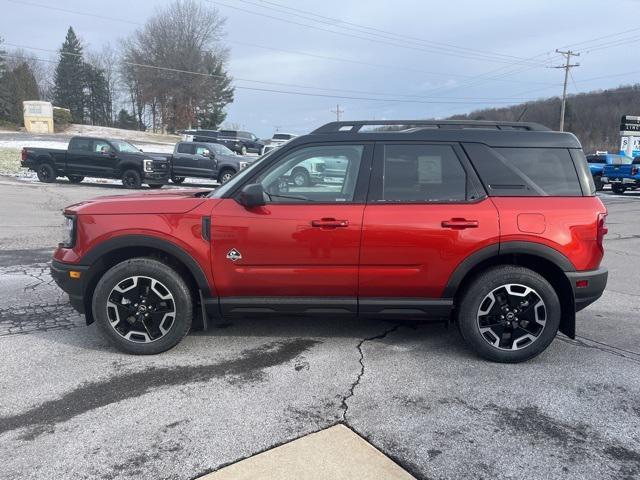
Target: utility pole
(568, 54)
(338, 112)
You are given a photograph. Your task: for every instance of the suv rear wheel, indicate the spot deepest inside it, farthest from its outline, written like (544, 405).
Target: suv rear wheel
(597, 180)
(509, 314)
(142, 306)
(618, 188)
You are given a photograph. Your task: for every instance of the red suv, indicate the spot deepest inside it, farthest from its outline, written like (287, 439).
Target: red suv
(494, 226)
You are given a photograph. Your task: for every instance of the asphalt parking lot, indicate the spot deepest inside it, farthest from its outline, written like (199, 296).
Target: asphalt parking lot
(73, 407)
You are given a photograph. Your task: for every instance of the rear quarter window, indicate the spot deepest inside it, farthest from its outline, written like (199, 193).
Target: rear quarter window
(525, 171)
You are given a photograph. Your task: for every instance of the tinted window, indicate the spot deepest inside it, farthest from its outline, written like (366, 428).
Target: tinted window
(80, 144)
(423, 173)
(282, 136)
(314, 174)
(228, 133)
(185, 148)
(596, 159)
(549, 171)
(245, 135)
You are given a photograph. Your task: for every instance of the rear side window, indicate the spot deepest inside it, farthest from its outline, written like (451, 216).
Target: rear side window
(423, 173)
(185, 148)
(525, 171)
(80, 144)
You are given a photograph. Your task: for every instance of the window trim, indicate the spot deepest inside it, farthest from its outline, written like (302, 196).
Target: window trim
(362, 181)
(375, 194)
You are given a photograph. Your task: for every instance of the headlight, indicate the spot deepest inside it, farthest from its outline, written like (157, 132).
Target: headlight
(148, 165)
(243, 165)
(70, 231)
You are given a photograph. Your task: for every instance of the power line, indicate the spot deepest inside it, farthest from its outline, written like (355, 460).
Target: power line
(336, 32)
(567, 67)
(368, 30)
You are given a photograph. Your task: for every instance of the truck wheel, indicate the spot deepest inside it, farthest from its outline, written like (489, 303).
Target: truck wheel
(243, 150)
(75, 178)
(597, 180)
(45, 173)
(177, 180)
(300, 177)
(131, 179)
(142, 306)
(261, 152)
(509, 314)
(225, 175)
(618, 188)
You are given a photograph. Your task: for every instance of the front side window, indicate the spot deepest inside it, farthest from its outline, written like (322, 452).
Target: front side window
(423, 173)
(202, 150)
(314, 174)
(100, 146)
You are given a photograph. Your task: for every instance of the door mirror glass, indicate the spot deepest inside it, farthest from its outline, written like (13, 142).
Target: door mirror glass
(252, 196)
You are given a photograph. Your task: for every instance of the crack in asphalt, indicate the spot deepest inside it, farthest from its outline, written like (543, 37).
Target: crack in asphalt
(601, 346)
(38, 318)
(344, 405)
(93, 395)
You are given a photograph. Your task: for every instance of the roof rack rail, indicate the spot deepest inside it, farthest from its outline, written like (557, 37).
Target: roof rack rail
(355, 126)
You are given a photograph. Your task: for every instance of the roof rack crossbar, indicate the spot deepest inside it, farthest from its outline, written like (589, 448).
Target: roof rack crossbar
(356, 126)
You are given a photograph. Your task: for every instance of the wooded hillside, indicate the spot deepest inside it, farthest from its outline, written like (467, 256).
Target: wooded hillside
(593, 117)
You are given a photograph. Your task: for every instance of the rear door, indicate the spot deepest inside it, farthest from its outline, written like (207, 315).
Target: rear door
(183, 160)
(426, 212)
(78, 154)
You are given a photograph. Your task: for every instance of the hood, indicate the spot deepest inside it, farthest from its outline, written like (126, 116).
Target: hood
(167, 201)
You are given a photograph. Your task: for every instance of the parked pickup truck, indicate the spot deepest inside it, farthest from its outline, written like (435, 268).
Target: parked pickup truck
(623, 176)
(597, 162)
(205, 160)
(101, 158)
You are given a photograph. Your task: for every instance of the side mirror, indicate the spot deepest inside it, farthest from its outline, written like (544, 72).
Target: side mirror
(141, 150)
(252, 196)
(112, 154)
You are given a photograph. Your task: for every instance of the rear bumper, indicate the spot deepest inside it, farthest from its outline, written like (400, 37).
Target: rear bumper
(587, 286)
(74, 287)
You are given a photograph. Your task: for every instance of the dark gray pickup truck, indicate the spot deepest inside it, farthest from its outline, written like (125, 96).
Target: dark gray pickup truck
(205, 160)
(100, 158)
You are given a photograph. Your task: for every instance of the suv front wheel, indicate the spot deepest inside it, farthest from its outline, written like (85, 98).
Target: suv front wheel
(509, 314)
(142, 306)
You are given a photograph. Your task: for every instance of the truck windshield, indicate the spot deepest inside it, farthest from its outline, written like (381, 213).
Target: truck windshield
(124, 147)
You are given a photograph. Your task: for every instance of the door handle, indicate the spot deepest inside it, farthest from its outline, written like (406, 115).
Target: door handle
(330, 223)
(460, 223)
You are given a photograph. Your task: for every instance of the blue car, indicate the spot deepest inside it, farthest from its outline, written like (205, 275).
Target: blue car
(597, 162)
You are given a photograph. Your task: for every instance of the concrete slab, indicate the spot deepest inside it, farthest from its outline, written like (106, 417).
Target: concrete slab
(336, 453)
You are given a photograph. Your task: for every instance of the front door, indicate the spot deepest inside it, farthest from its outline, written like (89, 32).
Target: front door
(425, 214)
(301, 249)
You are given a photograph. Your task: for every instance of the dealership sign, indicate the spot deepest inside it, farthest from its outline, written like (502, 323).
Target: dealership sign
(630, 135)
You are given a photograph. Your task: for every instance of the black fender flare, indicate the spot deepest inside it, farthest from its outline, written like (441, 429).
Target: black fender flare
(127, 241)
(505, 248)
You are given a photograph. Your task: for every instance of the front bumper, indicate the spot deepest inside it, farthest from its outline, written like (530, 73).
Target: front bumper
(74, 287)
(587, 286)
(156, 177)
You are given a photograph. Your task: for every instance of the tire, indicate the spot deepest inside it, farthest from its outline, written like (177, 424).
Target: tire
(225, 174)
(178, 180)
(46, 173)
(155, 186)
(131, 179)
(162, 333)
(619, 189)
(261, 152)
(597, 180)
(75, 178)
(533, 334)
(300, 177)
(243, 150)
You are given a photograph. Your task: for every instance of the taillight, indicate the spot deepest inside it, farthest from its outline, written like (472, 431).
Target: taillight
(634, 171)
(24, 154)
(602, 228)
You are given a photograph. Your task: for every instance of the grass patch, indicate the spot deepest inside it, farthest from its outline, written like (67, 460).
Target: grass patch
(10, 161)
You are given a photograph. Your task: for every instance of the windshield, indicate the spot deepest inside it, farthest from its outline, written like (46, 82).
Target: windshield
(621, 160)
(124, 147)
(238, 177)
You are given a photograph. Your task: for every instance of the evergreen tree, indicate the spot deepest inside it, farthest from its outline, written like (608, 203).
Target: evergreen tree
(97, 101)
(126, 120)
(22, 86)
(218, 94)
(5, 98)
(69, 81)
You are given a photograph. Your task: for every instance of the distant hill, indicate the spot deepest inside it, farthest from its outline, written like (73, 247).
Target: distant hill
(593, 117)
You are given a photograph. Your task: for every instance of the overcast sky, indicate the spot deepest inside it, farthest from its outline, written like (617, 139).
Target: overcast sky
(424, 61)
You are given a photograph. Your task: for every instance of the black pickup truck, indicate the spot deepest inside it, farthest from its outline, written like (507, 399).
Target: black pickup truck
(100, 158)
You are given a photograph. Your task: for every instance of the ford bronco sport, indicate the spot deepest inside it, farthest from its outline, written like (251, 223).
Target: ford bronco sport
(494, 226)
